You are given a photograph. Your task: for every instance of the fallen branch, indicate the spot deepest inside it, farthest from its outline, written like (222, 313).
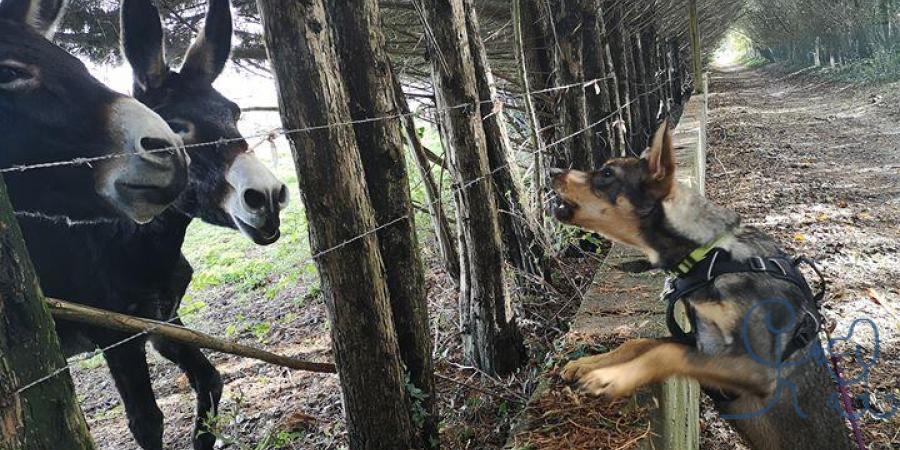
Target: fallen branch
(106, 319)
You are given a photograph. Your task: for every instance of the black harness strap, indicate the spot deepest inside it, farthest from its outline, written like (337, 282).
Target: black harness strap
(719, 262)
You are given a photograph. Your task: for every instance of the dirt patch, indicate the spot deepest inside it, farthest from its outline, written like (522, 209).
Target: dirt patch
(817, 166)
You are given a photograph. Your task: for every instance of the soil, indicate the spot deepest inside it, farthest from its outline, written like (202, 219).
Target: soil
(817, 165)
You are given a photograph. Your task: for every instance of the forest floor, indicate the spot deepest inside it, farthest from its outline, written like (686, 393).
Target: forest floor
(817, 165)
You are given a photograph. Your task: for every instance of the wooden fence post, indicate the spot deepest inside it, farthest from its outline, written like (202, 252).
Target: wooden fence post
(696, 50)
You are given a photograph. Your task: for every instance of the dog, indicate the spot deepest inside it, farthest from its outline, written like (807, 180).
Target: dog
(728, 274)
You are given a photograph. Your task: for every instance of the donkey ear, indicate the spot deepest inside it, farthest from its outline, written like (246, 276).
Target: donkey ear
(142, 43)
(41, 15)
(660, 157)
(207, 56)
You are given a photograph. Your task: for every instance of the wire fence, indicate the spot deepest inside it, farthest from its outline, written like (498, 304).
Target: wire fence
(268, 136)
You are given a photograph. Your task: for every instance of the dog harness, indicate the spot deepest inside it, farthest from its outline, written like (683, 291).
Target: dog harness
(701, 268)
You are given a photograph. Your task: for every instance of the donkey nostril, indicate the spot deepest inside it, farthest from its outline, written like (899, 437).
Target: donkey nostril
(149, 144)
(282, 194)
(254, 199)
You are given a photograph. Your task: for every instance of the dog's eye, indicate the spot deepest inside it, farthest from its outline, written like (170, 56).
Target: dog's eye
(606, 172)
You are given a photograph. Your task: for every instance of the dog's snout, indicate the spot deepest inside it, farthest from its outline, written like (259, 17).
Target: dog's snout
(558, 178)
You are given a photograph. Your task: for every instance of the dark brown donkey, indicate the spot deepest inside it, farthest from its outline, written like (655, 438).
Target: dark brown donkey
(140, 270)
(52, 109)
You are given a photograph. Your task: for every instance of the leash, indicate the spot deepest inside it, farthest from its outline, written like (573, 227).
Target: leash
(835, 363)
(701, 268)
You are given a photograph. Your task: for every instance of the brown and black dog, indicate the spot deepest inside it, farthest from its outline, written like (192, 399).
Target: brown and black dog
(637, 202)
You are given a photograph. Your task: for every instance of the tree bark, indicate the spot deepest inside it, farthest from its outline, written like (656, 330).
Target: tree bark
(524, 252)
(45, 415)
(518, 18)
(570, 106)
(491, 338)
(597, 96)
(301, 51)
(615, 24)
(360, 43)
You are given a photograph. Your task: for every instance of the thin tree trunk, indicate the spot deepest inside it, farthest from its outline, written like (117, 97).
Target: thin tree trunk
(523, 250)
(301, 51)
(612, 12)
(491, 338)
(442, 230)
(640, 124)
(45, 415)
(597, 96)
(360, 42)
(534, 125)
(570, 107)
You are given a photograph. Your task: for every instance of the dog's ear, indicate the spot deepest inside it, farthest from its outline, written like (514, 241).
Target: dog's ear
(660, 158)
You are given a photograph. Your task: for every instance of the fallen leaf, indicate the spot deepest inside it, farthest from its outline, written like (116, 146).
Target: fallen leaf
(799, 237)
(875, 296)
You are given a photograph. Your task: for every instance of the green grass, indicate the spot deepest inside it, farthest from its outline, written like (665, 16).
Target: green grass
(225, 258)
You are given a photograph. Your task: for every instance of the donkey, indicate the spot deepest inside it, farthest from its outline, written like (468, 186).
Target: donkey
(140, 269)
(52, 109)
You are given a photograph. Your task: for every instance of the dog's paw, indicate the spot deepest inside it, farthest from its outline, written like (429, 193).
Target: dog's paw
(574, 370)
(612, 382)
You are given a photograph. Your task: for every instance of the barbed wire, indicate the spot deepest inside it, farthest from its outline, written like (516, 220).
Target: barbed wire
(271, 134)
(311, 258)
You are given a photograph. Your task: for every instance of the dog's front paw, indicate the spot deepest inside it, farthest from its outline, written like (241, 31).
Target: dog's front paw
(612, 382)
(574, 370)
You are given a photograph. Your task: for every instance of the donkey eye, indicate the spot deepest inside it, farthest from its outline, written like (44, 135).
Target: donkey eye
(606, 172)
(14, 77)
(182, 128)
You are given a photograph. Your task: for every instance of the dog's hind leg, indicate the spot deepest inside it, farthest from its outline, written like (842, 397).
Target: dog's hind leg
(626, 352)
(669, 359)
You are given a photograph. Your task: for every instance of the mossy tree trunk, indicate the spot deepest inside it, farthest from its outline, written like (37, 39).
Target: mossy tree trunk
(491, 338)
(312, 92)
(360, 43)
(45, 415)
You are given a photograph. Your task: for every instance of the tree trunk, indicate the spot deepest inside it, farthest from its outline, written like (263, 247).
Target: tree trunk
(491, 338)
(518, 18)
(570, 106)
(312, 93)
(442, 231)
(612, 13)
(360, 42)
(45, 415)
(641, 135)
(597, 96)
(524, 252)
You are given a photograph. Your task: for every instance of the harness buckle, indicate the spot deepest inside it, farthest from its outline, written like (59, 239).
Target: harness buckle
(757, 264)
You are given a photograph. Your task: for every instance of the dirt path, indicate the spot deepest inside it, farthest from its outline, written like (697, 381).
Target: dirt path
(818, 166)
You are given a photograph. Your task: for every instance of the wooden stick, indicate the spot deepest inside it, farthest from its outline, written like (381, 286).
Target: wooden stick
(121, 322)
